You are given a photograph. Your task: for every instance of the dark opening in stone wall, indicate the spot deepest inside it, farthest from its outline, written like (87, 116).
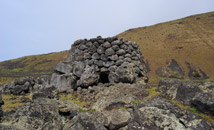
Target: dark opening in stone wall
(104, 78)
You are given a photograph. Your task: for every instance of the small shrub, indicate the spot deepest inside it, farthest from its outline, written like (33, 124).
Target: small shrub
(136, 102)
(194, 110)
(196, 74)
(81, 110)
(123, 108)
(152, 92)
(92, 110)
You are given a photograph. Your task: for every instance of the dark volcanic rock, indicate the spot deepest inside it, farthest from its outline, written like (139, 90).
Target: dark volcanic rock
(19, 86)
(204, 102)
(198, 95)
(196, 73)
(175, 89)
(171, 70)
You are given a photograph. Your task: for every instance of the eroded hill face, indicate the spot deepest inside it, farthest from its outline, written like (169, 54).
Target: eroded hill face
(189, 40)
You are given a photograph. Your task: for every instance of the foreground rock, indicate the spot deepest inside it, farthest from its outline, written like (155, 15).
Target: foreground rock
(204, 102)
(113, 109)
(39, 114)
(156, 114)
(118, 96)
(86, 121)
(196, 94)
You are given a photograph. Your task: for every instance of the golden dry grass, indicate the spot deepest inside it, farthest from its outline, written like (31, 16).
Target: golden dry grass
(71, 97)
(12, 102)
(35, 65)
(189, 39)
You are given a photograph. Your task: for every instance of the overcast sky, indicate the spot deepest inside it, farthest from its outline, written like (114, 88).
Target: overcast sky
(29, 27)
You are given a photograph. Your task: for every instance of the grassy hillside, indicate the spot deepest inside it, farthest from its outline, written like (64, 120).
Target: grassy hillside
(30, 66)
(190, 39)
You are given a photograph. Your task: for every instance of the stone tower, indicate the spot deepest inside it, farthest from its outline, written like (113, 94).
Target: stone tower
(100, 60)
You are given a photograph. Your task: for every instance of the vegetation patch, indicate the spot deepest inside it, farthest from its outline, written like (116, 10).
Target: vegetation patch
(12, 102)
(153, 92)
(74, 99)
(194, 110)
(136, 102)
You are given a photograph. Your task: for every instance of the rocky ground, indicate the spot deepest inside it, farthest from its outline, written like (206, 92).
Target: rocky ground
(120, 106)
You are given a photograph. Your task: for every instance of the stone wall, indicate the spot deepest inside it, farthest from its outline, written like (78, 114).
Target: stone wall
(100, 60)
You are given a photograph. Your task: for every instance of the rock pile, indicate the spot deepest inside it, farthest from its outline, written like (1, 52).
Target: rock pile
(18, 86)
(24, 85)
(100, 60)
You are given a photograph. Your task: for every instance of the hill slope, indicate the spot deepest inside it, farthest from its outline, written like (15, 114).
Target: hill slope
(30, 66)
(190, 39)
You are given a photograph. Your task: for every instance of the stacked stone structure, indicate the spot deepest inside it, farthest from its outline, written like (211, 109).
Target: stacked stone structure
(100, 60)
